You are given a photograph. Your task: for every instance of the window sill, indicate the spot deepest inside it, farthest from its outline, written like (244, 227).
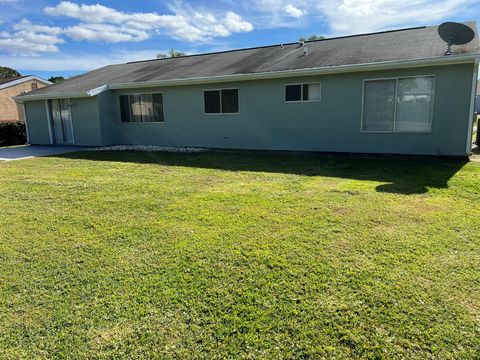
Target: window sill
(301, 101)
(142, 122)
(394, 132)
(216, 114)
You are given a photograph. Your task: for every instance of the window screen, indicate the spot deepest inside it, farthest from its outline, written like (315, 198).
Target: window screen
(230, 101)
(311, 92)
(212, 101)
(379, 105)
(223, 101)
(398, 105)
(142, 108)
(414, 104)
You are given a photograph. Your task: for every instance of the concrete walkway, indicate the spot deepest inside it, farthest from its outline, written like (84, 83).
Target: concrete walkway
(32, 151)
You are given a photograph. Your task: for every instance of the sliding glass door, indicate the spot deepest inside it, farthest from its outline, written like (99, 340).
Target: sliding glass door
(61, 121)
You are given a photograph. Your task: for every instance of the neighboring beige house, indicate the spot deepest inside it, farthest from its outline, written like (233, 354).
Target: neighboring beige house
(10, 87)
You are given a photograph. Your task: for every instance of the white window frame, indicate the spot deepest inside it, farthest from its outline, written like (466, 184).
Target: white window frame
(301, 92)
(130, 108)
(393, 131)
(221, 113)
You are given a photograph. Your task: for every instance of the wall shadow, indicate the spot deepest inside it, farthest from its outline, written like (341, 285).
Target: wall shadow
(402, 174)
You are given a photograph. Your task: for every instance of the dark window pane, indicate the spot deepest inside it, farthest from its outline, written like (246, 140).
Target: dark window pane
(293, 92)
(125, 108)
(305, 92)
(212, 101)
(136, 105)
(230, 101)
(158, 107)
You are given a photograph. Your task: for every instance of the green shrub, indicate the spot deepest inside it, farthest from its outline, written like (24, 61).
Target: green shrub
(12, 133)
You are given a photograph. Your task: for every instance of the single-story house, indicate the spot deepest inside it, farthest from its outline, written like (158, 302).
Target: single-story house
(14, 86)
(385, 92)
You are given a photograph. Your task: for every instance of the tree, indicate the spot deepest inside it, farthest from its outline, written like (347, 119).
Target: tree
(175, 53)
(171, 54)
(56, 79)
(6, 72)
(312, 38)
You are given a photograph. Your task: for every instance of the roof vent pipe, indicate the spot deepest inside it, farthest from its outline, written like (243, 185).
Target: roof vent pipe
(305, 50)
(301, 43)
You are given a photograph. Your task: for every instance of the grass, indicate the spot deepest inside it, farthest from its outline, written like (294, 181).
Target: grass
(239, 255)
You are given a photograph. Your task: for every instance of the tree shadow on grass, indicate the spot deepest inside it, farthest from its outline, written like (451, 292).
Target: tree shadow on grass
(401, 174)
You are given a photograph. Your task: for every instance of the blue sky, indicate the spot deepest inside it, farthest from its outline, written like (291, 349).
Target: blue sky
(47, 37)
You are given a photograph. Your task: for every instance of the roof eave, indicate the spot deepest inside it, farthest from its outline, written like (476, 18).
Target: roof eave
(79, 94)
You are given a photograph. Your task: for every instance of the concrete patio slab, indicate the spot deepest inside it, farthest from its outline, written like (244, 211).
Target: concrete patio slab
(32, 151)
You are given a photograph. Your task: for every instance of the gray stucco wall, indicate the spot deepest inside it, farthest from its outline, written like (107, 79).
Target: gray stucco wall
(86, 123)
(109, 118)
(38, 130)
(265, 121)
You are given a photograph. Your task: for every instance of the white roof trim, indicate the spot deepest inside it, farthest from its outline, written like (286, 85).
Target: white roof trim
(384, 65)
(24, 79)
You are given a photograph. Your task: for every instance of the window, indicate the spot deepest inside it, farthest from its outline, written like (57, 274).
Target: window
(414, 104)
(398, 105)
(34, 86)
(223, 101)
(302, 92)
(142, 108)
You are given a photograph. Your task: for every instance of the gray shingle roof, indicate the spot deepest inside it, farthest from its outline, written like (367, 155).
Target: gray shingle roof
(413, 43)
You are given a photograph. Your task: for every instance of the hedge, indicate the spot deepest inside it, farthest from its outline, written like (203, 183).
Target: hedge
(12, 133)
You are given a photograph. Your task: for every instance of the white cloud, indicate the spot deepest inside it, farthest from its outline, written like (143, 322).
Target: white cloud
(293, 11)
(26, 25)
(30, 39)
(76, 61)
(279, 13)
(186, 23)
(357, 16)
(92, 13)
(105, 24)
(105, 32)
(234, 23)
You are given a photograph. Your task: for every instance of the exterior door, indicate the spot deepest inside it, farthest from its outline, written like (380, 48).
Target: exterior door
(61, 121)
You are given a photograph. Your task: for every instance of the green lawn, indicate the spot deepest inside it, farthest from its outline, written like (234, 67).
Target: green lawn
(239, 255)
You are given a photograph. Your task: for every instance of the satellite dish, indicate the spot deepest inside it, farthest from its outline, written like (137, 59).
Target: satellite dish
(455, 34)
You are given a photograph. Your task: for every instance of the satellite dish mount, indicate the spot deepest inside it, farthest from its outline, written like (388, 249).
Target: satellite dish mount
(455, 34)
(449, 49)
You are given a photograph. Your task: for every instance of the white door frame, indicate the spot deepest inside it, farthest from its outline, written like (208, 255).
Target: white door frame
(49, 121)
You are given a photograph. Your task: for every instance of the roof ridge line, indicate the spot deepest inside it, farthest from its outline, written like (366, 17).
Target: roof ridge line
(278, 45)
